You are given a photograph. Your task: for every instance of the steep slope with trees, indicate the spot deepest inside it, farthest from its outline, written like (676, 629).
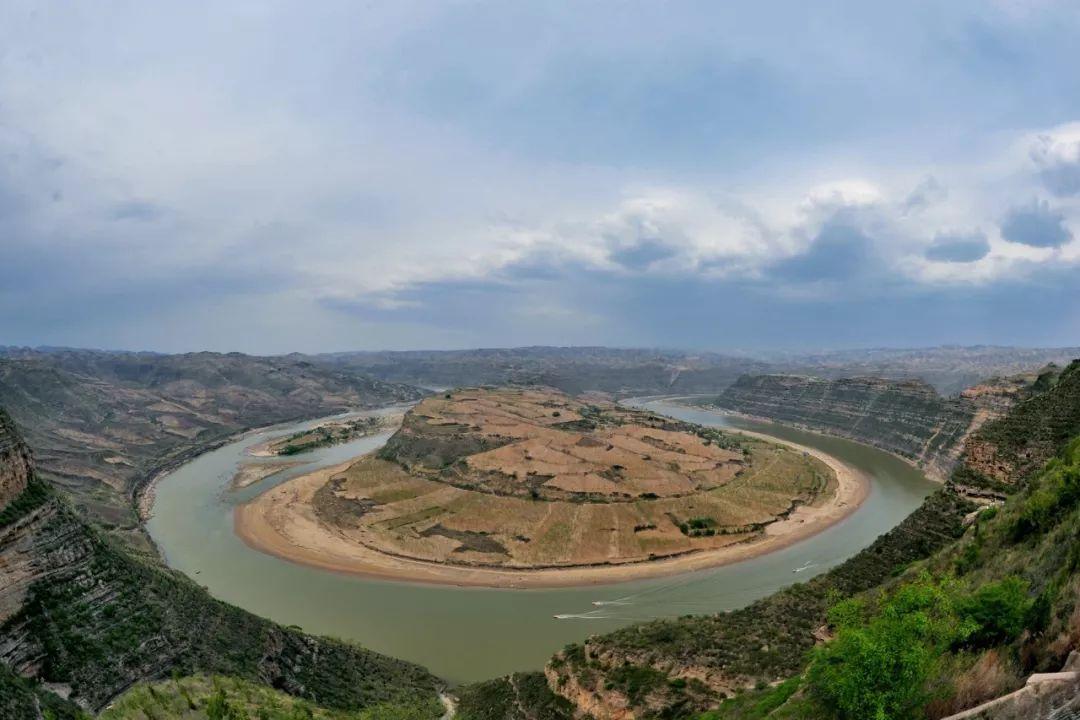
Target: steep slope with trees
(78, 612)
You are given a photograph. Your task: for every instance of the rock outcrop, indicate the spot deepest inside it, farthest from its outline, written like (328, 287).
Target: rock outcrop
(15, 468)
(81, 614)
(905, 417)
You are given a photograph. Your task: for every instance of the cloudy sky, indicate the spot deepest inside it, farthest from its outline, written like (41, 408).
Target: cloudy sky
(268, 177)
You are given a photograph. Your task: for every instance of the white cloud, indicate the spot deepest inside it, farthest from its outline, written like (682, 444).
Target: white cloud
(831, 196)
(1056, 155)
(262, 151)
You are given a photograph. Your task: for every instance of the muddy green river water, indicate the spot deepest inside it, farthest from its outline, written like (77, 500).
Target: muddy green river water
(466, 634)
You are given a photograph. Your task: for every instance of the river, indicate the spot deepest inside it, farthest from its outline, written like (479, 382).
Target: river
(467, 634)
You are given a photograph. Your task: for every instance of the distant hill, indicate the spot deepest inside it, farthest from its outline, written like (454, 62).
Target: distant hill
(570, 369)
(103, 423)
(949, 369)
(630, 371)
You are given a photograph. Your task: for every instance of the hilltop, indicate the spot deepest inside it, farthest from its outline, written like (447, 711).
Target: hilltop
(643, 371)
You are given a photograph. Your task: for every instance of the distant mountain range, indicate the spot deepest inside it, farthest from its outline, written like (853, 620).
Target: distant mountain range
(949, 369)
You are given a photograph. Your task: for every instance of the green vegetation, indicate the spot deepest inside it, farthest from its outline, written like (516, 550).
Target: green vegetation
(887, 657)
(715, 436)
(935, 642)
(757, 704)
(226, 698)
(521, 696)
(20, 698)
(327, 435)
(698, 527)
(1057, 494)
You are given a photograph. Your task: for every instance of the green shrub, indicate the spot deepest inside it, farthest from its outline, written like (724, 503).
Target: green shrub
(997, 612)
(877, 666)
(1057, 491)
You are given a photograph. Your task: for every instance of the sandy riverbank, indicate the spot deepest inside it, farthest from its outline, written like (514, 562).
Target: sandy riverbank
(282, 522)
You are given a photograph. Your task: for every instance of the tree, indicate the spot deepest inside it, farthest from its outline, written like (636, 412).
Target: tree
(877, 666)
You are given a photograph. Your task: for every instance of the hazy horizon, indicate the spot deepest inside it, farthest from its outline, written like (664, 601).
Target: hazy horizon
(748, 353)
(275, 177)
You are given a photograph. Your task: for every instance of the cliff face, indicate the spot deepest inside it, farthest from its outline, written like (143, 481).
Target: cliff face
(15, 465)
(78, 612)
(1007, 450)
(905, 417)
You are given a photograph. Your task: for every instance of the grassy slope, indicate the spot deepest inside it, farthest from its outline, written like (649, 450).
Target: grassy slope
(1032, 432)
(204, 697)
(1034, 537)
(1000, 547)
(521, 696)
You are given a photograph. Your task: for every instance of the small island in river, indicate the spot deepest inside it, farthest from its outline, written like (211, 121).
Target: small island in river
(521, 487)
(325, 434)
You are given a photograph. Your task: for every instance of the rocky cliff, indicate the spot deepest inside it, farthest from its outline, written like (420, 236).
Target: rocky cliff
(81, 614)
(14, 462)
(1008, 450)
(905, 417)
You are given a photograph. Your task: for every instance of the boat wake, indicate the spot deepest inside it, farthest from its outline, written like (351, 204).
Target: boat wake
(580, 616)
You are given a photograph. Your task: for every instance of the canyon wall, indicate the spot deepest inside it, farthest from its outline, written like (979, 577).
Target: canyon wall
(81, 614)
(905, 417)
(15, 465)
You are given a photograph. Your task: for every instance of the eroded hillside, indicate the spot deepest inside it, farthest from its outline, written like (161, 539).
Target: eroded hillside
(78, 612)
(905, 417)
(102, 424)
(14, 461)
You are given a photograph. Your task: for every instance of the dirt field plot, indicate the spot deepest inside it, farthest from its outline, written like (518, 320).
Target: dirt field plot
(526, 478)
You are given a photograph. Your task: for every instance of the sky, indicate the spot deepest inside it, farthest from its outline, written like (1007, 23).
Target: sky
(271, 177)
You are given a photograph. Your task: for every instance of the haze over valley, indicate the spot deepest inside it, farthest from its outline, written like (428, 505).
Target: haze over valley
(539, 361)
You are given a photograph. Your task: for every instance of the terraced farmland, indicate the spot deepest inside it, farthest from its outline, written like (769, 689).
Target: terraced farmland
(532, 478)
